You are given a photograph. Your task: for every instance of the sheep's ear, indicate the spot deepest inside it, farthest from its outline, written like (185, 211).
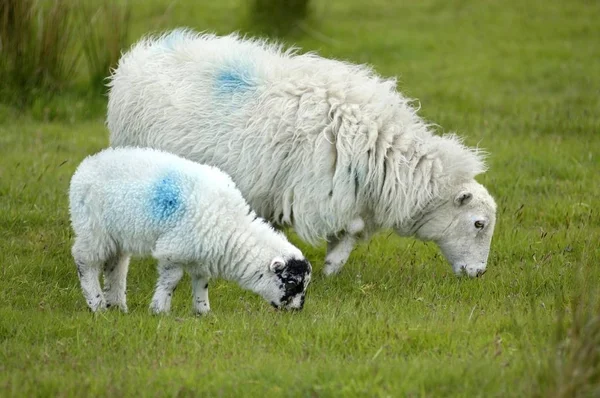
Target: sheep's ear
(277, 264)
(463, 198)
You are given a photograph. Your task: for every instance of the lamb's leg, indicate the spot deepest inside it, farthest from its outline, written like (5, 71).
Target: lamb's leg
(169, 275)
(88, 269)
(200, 292)
(115, 281)
(339, 249)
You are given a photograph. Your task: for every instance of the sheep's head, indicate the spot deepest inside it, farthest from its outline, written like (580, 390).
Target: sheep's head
(285, 281)
(462, 227)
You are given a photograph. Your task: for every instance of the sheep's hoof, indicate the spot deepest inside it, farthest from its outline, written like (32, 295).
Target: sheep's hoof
(331, 269)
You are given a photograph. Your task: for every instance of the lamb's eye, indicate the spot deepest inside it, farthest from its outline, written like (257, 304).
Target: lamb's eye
(479, 224)
(290, 285)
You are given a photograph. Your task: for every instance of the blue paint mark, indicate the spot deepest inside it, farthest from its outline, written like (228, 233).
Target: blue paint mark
(234, 80)
(166, 200)
(171, 39)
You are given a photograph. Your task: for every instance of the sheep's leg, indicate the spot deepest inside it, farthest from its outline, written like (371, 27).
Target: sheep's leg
(115, 281)
(200, 292)
(88, 269)
(169, 275)
(339, 249)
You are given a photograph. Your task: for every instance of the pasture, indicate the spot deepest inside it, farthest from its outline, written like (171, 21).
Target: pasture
(520, 79)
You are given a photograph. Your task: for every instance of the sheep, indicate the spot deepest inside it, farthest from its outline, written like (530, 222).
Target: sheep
(189, 217)
(324, 146)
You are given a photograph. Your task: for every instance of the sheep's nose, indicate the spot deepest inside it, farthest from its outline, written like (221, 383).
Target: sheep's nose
(481, 272)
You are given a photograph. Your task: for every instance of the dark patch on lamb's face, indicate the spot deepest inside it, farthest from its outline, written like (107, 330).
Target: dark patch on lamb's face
(293, 280)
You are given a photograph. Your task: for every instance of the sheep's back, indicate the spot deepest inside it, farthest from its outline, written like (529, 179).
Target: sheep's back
(271, 119)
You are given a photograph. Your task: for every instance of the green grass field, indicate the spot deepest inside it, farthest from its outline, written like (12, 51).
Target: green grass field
(518, 78)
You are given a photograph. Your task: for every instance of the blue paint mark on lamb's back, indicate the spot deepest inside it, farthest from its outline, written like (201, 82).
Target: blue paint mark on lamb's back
(166, 198)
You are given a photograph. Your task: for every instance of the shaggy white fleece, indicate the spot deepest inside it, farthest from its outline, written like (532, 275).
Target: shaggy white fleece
(311, 142)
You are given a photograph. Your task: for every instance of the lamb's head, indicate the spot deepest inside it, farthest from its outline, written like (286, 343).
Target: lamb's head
(284, 282)
(462, 226)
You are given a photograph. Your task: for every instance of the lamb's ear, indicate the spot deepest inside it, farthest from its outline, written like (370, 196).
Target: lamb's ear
(277, 264)
(463, 198)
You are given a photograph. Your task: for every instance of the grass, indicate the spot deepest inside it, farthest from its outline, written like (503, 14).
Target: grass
(518, 78)
(36, 39)
(43, 41)
(278, 17)
(104, 30)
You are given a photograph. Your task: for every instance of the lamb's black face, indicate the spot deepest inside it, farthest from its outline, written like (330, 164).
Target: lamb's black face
(293, 280)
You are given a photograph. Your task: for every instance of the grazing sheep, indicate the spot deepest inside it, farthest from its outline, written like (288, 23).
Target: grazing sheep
(189, 217)
(328, 147)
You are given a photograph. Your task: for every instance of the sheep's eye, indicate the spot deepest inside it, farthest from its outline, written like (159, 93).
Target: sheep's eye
(479, 224)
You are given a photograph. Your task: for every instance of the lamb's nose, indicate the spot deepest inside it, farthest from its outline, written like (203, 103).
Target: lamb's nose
(481, 272)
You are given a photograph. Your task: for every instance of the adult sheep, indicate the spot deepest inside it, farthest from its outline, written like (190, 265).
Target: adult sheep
(325, 146)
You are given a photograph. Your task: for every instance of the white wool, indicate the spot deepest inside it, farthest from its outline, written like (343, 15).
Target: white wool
(310, 142)
(143, 201)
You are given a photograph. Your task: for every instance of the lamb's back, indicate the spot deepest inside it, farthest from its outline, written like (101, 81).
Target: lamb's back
(137, 195)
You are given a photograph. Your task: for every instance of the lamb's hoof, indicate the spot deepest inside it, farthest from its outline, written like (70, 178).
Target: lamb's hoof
(202, 308)
(98, 307)
(156, 309)
(97, 303)
(201, 313)
(122, 307)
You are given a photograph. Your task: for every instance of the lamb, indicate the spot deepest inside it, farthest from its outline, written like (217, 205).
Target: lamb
(327, 147)
(189, 217)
